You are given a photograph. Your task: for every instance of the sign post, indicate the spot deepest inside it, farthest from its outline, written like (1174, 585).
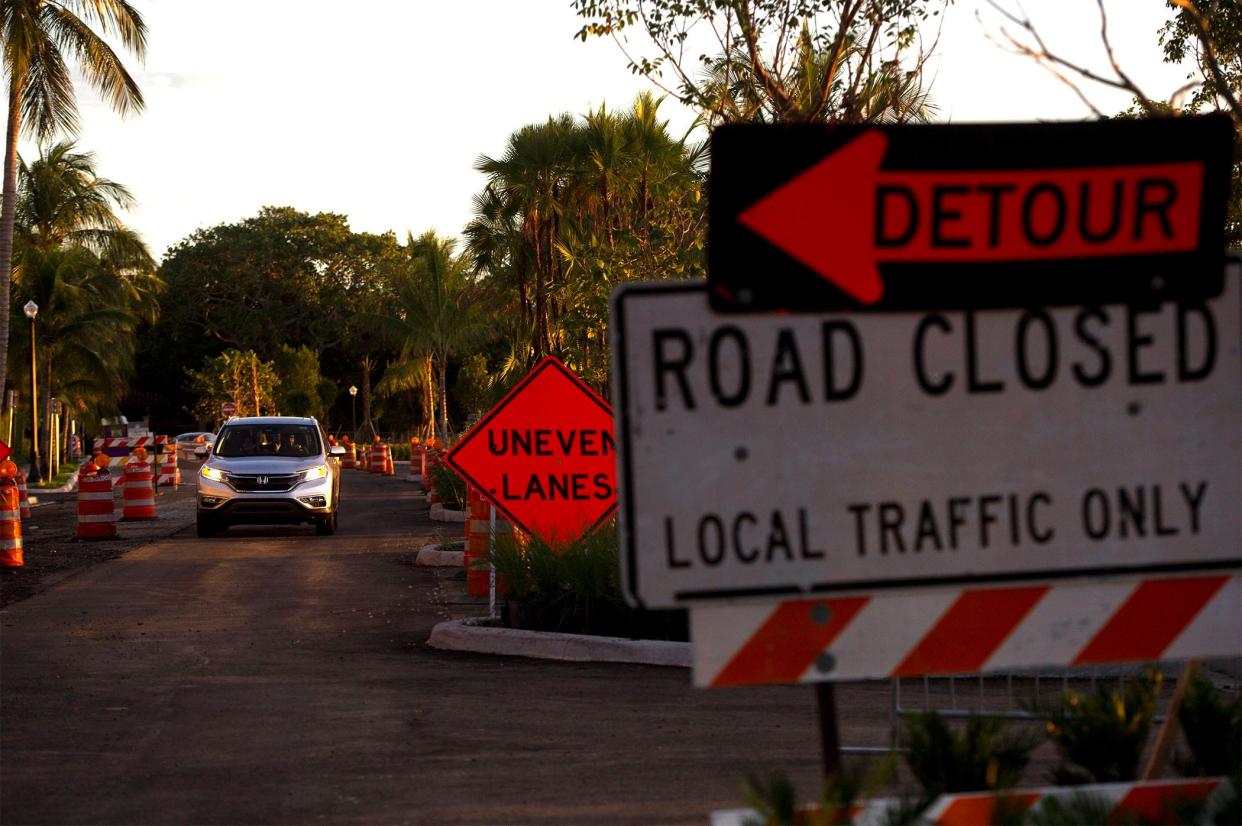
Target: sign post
(12, 402)
(491, 574)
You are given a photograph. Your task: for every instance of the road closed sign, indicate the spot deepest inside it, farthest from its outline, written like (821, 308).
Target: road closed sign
(780, 456)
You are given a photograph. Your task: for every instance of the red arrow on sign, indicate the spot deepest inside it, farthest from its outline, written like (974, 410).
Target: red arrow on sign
(845, 216)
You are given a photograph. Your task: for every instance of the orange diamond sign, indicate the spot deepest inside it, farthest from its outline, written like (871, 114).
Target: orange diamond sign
(545, 456)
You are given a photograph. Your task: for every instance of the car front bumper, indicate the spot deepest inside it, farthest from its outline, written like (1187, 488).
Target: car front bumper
(306, 502)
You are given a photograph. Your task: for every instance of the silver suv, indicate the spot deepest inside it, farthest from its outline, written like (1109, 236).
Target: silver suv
(269, 470)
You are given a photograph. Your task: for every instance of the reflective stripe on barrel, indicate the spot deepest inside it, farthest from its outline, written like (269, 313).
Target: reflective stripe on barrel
(10, 525)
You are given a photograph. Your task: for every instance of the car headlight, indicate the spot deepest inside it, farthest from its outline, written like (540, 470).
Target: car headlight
(314, 473)
(214, 474)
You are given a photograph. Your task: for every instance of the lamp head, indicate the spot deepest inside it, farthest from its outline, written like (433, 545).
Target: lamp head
(31, 309)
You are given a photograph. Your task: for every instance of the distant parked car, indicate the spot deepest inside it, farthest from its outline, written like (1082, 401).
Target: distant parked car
(187, 443)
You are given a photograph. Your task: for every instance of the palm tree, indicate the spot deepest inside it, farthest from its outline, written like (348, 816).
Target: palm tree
(846, 84)
(92, 277)
(571, 208)
(37, 37)
(434, 316)
(529, 177)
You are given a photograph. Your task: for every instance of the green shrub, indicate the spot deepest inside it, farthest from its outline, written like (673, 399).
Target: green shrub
(450, 487)
(400, 452)
(773, 799)
(976, 757)
(1213, 730)
(776, 802)
(1101, 734)
(575, 588)
(1212, 726)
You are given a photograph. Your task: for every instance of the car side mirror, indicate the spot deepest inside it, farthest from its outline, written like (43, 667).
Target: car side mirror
(336, 450)
(202, 450)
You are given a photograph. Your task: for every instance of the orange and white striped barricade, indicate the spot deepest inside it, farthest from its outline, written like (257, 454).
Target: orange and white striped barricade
(170, 474)
(10, 524)
(96, 510)
(138, 496)
(118, 484)
(375, 458)
(23, 494)
(955, 630)
(1149, 801)
(350, 459)
(1140, 801)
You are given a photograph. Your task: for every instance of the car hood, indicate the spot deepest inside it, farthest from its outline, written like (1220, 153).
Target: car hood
(264, 466)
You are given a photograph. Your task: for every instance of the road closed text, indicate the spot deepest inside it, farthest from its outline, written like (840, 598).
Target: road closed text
(945, 354)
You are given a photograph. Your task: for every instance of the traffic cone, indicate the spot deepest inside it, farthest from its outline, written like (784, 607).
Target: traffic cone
(10, 518)
(96, 511)
(389, 469)
(138, 498)
(23, 494)
(416, 453)
(170, 474)
(429, 481)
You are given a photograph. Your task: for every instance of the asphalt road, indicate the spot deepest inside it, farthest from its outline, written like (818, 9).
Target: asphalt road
(275, 676)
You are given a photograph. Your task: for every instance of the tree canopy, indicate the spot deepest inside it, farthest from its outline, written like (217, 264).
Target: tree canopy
(775, 60)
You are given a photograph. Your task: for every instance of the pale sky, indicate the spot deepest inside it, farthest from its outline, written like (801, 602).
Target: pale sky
(378, 108)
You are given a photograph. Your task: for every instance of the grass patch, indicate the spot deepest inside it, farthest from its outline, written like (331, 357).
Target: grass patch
(60, 480)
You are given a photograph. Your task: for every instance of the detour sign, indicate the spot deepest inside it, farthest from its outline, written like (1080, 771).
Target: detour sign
(545, 455)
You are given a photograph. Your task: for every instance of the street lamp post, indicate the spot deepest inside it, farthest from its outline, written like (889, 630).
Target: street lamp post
(36, 471)
(353, 407)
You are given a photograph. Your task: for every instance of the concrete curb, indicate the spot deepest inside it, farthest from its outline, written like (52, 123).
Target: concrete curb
(431, 556)
(442, 514)
(469, 635)
(68, 487)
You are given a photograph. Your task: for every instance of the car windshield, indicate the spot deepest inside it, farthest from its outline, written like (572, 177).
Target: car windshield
(296, 441)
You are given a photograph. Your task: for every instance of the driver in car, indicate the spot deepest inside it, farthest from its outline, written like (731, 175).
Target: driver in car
(290, 446)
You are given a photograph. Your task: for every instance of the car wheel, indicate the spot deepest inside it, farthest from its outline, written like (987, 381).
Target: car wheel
(207, 526)
(326, 526)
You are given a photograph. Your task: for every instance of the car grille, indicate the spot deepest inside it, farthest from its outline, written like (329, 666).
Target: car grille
(264, 483)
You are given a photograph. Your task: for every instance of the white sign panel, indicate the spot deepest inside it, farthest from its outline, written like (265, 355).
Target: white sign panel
(784, 455)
